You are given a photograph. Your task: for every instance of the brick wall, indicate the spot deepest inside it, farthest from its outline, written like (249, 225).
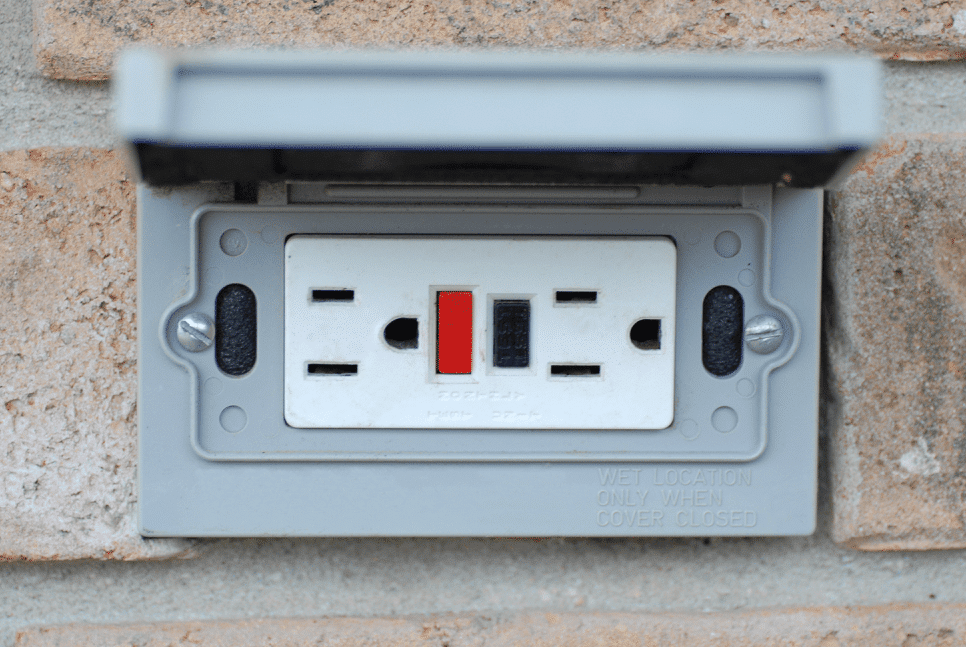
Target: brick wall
(894, 379)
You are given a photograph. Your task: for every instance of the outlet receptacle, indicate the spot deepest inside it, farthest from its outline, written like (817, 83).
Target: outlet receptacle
(362, 403)
(748, 434)
(477, 333)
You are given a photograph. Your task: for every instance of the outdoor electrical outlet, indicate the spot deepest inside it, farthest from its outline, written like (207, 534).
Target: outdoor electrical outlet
(448, 294)
(505, 332)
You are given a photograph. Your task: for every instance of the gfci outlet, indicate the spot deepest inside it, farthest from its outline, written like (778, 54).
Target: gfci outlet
(482, 295)
(402, 332)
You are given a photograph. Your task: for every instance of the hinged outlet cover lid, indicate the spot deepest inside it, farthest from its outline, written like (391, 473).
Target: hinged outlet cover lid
(507, 117)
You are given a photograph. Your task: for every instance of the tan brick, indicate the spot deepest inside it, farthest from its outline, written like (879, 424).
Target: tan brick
(886, 626)
(68, 360)
(79, 40)
(896, 332)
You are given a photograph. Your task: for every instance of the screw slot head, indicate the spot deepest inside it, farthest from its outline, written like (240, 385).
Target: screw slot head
(196, 332)
(764, 334)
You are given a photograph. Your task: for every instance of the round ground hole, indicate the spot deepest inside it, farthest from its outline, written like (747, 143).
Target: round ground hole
(646, 334)
(402, 333)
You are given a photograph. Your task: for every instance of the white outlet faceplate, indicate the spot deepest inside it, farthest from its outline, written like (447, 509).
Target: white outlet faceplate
(585, 369)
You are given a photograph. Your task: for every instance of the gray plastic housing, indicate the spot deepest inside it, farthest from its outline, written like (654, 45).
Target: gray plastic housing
(198, 479)
(697, 477)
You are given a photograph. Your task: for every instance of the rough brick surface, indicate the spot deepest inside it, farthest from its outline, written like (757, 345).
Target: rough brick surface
(67, 359)
(896, 333)
(888, 626)
(78, 40)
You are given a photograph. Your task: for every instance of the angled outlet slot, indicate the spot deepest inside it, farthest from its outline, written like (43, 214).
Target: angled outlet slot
(505, 344)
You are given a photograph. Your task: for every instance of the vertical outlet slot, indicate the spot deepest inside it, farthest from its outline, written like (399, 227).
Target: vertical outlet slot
(575, 297)
(722, 321)
(332, 369)
(575, 370)
(454, 333)
(330, 296)
(235, 329)
(511, 333)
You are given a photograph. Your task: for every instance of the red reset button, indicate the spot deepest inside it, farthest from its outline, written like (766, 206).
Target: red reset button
(454, 333)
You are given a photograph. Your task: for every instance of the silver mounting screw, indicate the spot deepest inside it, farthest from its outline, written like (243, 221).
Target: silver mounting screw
(196, 332)
(764, 333)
